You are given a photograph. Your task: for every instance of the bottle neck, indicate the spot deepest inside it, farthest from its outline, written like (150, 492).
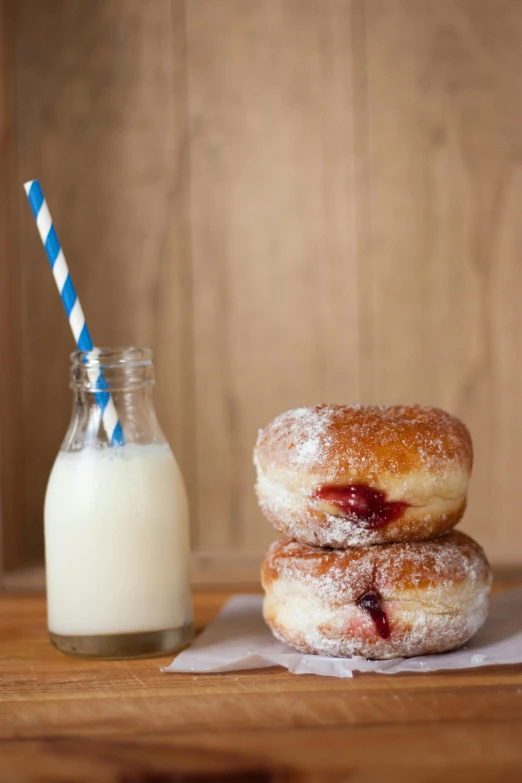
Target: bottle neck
(112, 369)
(126, 378)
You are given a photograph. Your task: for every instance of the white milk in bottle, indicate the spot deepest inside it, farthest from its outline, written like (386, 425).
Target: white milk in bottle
(116, 521)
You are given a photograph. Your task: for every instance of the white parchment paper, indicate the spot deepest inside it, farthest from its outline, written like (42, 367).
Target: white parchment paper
(239, 639)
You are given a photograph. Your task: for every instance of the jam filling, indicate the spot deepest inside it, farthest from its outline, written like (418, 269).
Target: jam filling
(360, 503)
(371, 602)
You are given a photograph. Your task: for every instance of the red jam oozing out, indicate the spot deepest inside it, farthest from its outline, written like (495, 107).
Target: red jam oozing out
(361, 503)
(371, 602)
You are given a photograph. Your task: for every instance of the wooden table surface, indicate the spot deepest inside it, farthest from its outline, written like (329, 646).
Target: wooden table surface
(64, 720)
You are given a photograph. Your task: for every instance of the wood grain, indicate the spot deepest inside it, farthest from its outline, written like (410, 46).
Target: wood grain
(99, 760)
(105, 131)
(12, 495)
(274, 270)
(266, 721)
(444, 146)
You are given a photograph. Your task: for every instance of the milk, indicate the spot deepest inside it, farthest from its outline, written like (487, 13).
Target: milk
(116, 542)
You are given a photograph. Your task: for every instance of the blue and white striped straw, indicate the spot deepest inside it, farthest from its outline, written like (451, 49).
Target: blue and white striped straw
(73, 307)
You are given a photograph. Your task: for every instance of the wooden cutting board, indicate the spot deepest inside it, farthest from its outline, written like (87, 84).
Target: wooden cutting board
(64, 720)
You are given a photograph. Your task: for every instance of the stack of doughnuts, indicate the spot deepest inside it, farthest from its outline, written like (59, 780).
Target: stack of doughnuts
(367, 499)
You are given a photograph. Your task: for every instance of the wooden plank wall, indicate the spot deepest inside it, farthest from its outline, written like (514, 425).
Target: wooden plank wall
(12, 496)
(273, 243)
(290, 201)
(105, 130)
(444, 234)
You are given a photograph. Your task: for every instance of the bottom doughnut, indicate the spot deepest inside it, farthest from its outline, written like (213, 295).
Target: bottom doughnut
(379, 602)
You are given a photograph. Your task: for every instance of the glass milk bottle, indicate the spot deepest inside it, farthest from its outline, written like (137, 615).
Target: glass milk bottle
(116, 520)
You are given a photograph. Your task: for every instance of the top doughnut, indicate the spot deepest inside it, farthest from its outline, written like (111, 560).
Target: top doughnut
(341, 475)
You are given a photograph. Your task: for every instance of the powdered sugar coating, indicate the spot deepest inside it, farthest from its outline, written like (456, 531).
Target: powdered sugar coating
(416, 455)
(334, 439)
(435, 594)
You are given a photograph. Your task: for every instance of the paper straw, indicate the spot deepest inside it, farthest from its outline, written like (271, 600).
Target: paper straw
(73, 307)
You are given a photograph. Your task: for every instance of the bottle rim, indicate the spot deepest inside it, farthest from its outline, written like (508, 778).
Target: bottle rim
(109, 358)
(112, 369)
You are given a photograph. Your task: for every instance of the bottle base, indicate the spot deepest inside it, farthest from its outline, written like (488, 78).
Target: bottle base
(145, 644)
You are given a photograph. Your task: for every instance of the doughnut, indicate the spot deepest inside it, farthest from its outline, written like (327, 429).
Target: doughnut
(341, 476)
(384, 601)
